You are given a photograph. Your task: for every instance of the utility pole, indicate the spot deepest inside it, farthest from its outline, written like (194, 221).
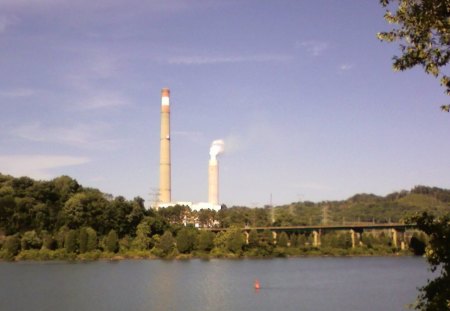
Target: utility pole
(272, 210)
(154, 197)
(325, 214)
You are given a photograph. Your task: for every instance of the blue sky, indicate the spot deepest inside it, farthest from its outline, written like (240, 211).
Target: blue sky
(302, 93)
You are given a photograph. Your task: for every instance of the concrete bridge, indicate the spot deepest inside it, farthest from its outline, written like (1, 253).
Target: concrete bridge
(397, 231)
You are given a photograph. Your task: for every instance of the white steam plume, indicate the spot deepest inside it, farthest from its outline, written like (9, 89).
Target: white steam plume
(217, 147)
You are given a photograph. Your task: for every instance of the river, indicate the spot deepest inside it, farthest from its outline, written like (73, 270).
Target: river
(306, 284)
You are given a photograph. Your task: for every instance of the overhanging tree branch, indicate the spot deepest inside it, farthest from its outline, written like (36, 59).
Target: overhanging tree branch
(422, 28)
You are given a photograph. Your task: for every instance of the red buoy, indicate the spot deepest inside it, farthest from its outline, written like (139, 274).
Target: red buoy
(256, 284)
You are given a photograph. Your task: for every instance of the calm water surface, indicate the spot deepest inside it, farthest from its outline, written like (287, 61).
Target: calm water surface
(306, 284)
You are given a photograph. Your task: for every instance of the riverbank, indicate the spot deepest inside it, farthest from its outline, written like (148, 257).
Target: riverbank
(61, 254)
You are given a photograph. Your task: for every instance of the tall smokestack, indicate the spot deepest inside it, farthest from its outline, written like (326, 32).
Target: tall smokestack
(217, 147)
(164, 159)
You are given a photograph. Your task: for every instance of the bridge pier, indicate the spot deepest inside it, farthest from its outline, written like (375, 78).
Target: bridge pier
(274, 237)
(353, 235)
(402, 237)
(246, 233)
(316, 238)
(394, 238)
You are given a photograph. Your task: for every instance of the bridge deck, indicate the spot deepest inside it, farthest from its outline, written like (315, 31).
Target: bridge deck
(355, 226)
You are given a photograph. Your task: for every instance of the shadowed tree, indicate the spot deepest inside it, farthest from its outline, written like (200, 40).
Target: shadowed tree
(12, 246)
(30, 240)
(435, 296)
(166, 243)
(70, 241)
(112, 240)
(186, 239)
(86, 209)
(48, 242)
(82, 240)
(235, 240)
(282, 239)
(142, 239)
(205, 241)
(91, 240)
(253, 239)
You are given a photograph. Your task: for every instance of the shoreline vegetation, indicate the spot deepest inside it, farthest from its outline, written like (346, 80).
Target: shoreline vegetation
(62, 220)
(62, 255)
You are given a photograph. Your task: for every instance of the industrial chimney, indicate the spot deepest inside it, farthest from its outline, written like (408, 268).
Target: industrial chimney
(164, 160)
(217, 147)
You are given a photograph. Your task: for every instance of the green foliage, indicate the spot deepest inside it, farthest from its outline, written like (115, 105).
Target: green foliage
(435, 296)
(82, 240)
(85, 209)
(142, 239)
(266, 237)
(243, 216)
(234, 240)
(91, 240)
(72, 222)
(301, 240)
(186, 239)
(112, 242)
(253, 239)
(48, 242)
(368, 240)
(231, 240)
(11, 246)
(343, 240)
(61, 236)
(205, 241)
(423, 30)
(30, 240)
(125, 244)
(282, 239)
(166, 243)
(175, 214)
(206, 217)
(220, 240)
(87, 240)
(70, 241)
(279, 252)
(418, 244)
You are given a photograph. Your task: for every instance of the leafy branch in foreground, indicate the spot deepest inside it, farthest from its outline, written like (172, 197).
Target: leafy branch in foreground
(423, 30)
(435, 296)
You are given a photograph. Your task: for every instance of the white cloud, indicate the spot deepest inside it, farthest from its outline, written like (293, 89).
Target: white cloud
(315, 48)
(17, 93)
(37, 166)
(346, 67)
(81, 135)
(205, 60)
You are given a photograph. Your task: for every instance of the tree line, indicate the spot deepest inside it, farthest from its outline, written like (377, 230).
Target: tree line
(62, 219)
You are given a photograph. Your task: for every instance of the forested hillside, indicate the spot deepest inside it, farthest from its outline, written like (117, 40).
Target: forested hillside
(61, 218)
